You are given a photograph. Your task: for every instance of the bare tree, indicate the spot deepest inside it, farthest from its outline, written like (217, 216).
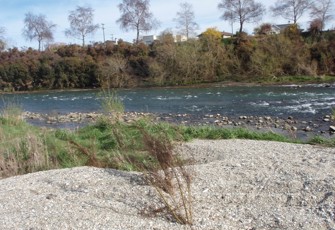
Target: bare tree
(185, 20)
(81, 23)
(2, 31)
(321, 10)
(291, 9)
(37, 27)
(135, 15)
(2, 39)
(242, 11)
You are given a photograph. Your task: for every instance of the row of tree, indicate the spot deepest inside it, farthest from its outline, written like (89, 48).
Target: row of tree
(209, 59)
(136, 15)
(244, 11)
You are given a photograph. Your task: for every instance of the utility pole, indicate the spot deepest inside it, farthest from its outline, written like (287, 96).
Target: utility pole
(232, 27)
(231, 22)
(103, 31)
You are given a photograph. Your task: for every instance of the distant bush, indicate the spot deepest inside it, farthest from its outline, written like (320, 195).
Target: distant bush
(210, 59)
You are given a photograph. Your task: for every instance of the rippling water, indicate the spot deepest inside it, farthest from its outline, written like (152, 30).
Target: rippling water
(306, 102)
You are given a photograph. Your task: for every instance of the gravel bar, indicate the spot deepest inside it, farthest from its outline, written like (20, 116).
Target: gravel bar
(237, 184)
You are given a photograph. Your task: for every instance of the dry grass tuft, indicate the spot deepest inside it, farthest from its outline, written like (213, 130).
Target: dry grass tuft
(170, 179)
(25, 155)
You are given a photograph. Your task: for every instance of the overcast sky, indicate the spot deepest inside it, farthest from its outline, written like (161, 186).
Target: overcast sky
(12, 13)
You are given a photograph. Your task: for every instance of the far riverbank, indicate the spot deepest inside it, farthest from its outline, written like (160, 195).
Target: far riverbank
(298, 81)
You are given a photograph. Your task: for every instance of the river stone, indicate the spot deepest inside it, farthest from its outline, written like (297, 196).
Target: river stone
(307, 129)
(332, 128)
(225, 118)
(293, 128)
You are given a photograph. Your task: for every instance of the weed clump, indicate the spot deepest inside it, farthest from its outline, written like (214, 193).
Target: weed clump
(169, 177)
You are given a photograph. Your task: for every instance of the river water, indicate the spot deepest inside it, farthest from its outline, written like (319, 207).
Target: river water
(305, 102)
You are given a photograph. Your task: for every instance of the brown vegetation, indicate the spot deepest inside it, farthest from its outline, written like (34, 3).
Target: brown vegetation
(263, 57)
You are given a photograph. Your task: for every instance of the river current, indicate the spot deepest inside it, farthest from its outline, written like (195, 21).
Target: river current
(309, 101)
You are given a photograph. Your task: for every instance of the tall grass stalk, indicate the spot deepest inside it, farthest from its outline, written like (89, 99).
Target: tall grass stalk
(112, 105)
(169, 177)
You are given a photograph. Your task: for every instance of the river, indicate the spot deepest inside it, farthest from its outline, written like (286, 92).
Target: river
(305, 102)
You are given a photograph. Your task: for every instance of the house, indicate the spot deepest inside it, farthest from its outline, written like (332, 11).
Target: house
(179, 38)
(277, 29)
(223, 35)
(226, 34)
(149, 39)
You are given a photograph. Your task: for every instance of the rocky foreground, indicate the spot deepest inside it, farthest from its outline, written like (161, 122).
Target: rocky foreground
(237, 184)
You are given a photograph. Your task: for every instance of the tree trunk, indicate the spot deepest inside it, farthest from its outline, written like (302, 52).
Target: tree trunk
(83, 39)
(137, 36)
(39, 45)
(241, 26)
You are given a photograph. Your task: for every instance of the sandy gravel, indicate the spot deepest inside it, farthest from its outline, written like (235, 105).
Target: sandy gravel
(238, 184)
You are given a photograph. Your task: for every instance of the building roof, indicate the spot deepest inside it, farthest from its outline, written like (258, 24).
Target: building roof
(281, 26)
(226, 33)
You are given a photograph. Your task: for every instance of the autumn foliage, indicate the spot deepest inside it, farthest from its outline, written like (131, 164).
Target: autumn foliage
(208, 59)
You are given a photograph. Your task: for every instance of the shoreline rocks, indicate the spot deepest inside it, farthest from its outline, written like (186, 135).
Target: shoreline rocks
(75, 117)
(289, 126)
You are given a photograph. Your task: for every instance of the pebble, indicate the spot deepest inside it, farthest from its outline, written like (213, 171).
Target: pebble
(293, 128)
(308, 129)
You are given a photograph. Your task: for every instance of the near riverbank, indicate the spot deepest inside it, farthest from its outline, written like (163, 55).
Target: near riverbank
(290, 126)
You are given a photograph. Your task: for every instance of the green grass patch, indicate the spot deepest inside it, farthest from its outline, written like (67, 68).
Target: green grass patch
(318, 140)
(25, 148)
(211, 132)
